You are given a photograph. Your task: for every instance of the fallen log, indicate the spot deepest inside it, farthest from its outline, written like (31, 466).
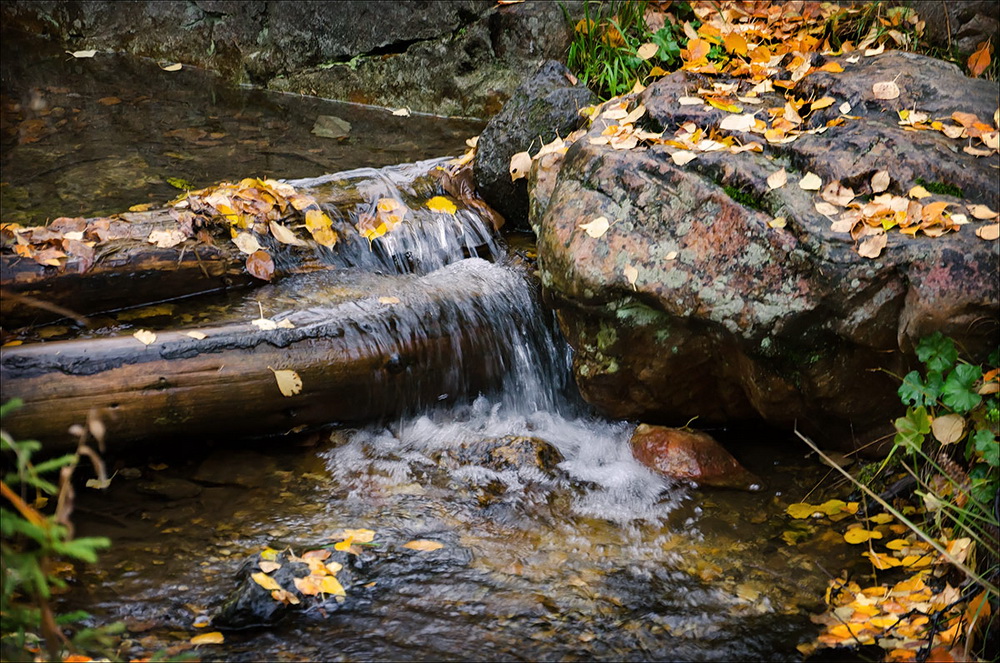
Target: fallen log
(360, 360)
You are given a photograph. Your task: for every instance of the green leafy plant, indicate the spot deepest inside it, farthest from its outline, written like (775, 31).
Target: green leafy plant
(33, 544)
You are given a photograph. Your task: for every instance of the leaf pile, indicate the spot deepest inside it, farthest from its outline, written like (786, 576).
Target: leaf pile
(62, 240)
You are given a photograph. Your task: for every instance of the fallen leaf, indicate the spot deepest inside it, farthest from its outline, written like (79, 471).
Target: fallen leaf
(166, 239)
(388, 300)
(520, 164)
(285, 235)
(810, 182)
(744, 122)
(423, 545)
(286, 324)
(82, 54)
(949, 428)
(441, 204)
(777, 222)
(99, 484)
(196, 335)
(979, 61)
(268, 567)
(647, 51)
(976, 152)
(109, 101)
(289, 382)
(597, 227)
(869, 52)
(356, 535)
(872, 247)
(631, 273)
(844, 108)
(822, 102)
(145, 337)
(777, 179)
(860, 535)
(401, 112)
(681, 157)
(246, 243)
(330, 585)
(918, 192)
(265, 581)
(981, 212)
(721, 105)
(177, 66)
(260, 265)
(264, 324)
(989, 232)
(826, 208)
(672, 255)
(213, 638)
(285, 596)
(885, 90)
(691, 101)
(880, 181)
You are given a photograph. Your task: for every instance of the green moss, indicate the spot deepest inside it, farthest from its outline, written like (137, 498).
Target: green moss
(744, 198)
(941, 188)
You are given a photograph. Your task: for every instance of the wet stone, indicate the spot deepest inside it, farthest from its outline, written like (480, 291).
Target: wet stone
(247, 469)
(503, 454)
(169, 488)
(690, 456)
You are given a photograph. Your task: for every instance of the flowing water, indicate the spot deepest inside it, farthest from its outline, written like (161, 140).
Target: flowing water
(555, 543)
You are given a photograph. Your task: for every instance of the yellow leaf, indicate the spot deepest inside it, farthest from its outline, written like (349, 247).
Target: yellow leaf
(330, 585)
(898, 544)
(778, 222)
(881, 518)
(777, 179)
(286, 597)
(265, 581)
(658, 71)
(810, 182)
(860, 535)
(325, 236)
(735, 43)
(213, 638)
(144, 336)
(441, 204)
(822, 103)
(647, 51)
(423, 545)
(832, 67)
(246, 243)
(177, 66)
(269, 554)
(345, 545)
(918, 192)
(289, 382)
(597, 227)
(801, 510)
(881, 561)
(949, 428)
(317, 220)
(142, 207)
(729, 108)
(520, 164)
(285, 235)
(196, 334)
(308, 585)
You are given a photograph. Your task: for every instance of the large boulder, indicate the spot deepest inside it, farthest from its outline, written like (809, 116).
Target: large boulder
(693, 303)
(690, 455)
(546, 105)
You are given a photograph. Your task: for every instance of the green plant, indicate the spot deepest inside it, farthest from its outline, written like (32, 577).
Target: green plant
(32, 544)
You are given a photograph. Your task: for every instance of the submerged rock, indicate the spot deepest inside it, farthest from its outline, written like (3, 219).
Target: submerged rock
(690, 455)
(691, 304)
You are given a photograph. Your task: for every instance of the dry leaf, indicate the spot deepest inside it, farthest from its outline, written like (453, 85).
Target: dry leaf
(82, 54)
(744, 122)
(289, 382)
(388, 300)
(980, 60)
(981, 212)
(777, 222)
(520, 164)
(976, 152)
(423, 545)
(810, 182)
(989, 232)
(631, 273)
(268, 567)
(918, 192)
(286, 324)
(246, 243)
(166, 239)
(401, 112)
(949, 428)
(822, 103)
(265, 581)
(172, 67)
(844, 108)
(284, 235)
(681, 157)
(880, 181)
(869, 52)
(196, 335)
(872, 247)
(647, 51)
(597, 227)
(264, 324)
(886, 90)
(691, 101)
(145, 337)
(672, 255)
(260, 265)
(213, 638)
(777, 179)
(826, 208)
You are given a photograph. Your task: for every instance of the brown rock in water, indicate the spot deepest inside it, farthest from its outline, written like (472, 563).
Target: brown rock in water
(690, 456)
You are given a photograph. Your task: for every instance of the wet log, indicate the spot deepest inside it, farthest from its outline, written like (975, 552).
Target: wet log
(357, 361)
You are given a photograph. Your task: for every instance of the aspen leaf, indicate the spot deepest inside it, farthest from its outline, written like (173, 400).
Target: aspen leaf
(878, 50)
(144, 336)
(777, 179)
(832, 67)
(597, 227)
(989, 232)
(681, 157)
(423, 545)
(778, 222)
(166, 239)
(285, 596)
(388, 300)
(177, 66)
(691, 101)
(918, 192)
(826, 208)
(744, 122)
(844, 108)
(801, 510)
(265, 581)
(980, 60)
(872, 246)
(325, 237)
(308, 585)
(246, 243)
(401, 112)
(886, 90)
(268, 567)
(317, 220)
(213, 638)
(319, 555)
(810, 182)
(860, 535)
(721, 105)
(822, 103)
(631, 273)
(330, 585)
(441, 204)
(289, 382)
(285, 235)
(260, 265)
(82, 54)
(981, 212)
(357, 535)
(949, 428)
(647, 51)
(880, 181)
(520, 164)
(196, 335)
(735, 43)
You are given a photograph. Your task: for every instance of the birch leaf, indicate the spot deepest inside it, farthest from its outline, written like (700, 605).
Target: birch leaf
(246, 243)
(872, 247)
(777, 180)
(423, 545)
(597, 227)
(631, 273)
(810, 182)
(265, 581)
(880, 181)
(520, 164)
(285, 235)
(213, 638)
(144, 336)
(289, 382)
(441, 204)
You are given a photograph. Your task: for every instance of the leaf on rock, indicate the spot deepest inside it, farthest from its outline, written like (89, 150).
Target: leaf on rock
(810, 182)
(777, 179)
(873, 245)
(822, 102)
(631, 273)
(388, 300)
(880, 181)
(690, 101)
(285, 596)
(597, 227)
(744, 122)
(356, 535)
(213, 638)
(777, 222)
(176, 66)
(441, 204)
(166, 239)
(265, 581)
(844, 108)
(286, 235)
(246, 243)
(721, 105)
(826, 208)
(982, 212)
(401, 112)
(989, 232)
(82, 54)
(681, 157)
(918, 192)
(423, 545)
(520, 164)
(144, 336)
(196, 335)
(886, 90)
(268, 567)
(289, 382)
(949, 428)
(260, 265)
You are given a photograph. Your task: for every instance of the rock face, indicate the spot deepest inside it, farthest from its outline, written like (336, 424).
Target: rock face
(691, 304)
(690, 456)
(462, 57)
(962, 24)
(547, 104)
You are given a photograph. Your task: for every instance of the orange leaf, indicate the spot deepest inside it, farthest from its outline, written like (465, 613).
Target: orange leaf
(260, 264)
(213, 638)
(980, 60)
(735, 43)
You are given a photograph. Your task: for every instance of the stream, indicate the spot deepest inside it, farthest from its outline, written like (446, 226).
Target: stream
(552, 542)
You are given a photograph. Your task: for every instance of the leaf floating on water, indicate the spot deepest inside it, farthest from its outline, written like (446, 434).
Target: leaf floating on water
(777, 179)
(597, 227)
(423, 545)
(265, 581)
(441, 204)
(213, 638)
(810, 182)
(289, 382)
(144, 336)
(176, 66)
(520, 164)
(860, 535)
(359, 535)
(99, 484)
(82, 54)
(260, 264)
